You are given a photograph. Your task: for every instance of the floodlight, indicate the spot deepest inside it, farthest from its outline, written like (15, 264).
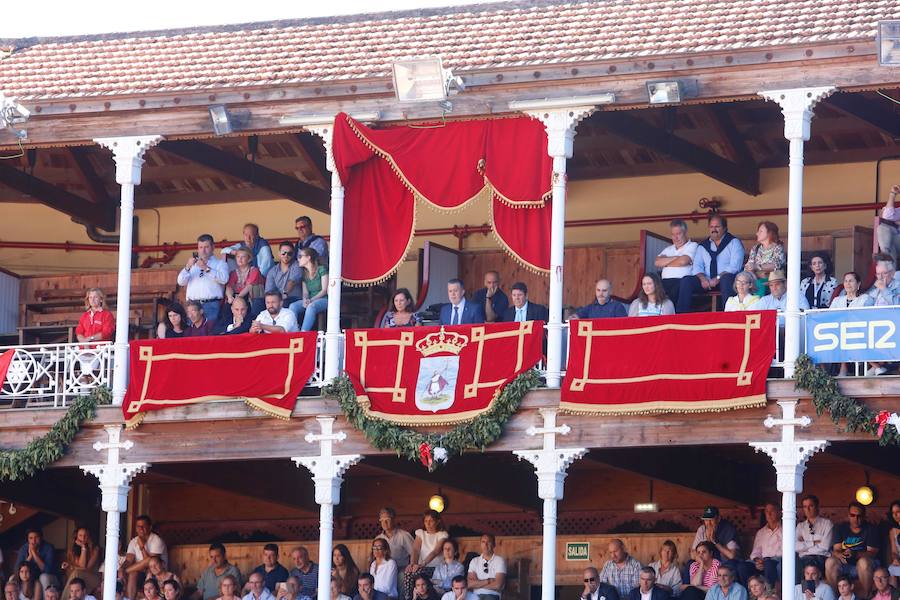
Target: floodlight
(424, 80)
(437, 503)
(664, 92)
(221, 120)
(865, 495)
(12, 113)
(889, 43)
(646, 507)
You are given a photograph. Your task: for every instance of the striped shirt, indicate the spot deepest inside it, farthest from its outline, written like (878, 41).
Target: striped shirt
(711, 577)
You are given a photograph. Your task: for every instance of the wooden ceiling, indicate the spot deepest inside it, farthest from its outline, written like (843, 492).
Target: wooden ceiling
(730, 142)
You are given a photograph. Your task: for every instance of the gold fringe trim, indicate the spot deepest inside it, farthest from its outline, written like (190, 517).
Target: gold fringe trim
(395, 268)
(436, 420)
(664, 406)
(515, 203)
(272, 411)
(524, 263)
(135, 421)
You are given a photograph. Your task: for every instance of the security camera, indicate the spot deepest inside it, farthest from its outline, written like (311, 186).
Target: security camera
(11, 112)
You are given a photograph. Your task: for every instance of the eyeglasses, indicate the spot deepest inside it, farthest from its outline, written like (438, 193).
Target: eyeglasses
(590, 580)
(485, 566)
(287, 253)
(811, 529)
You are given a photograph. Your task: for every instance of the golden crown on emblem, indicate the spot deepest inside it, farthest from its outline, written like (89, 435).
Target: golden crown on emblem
(442, 341)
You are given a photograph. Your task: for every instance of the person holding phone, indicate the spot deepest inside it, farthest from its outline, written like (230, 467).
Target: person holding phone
(205, 277)
(812, 587)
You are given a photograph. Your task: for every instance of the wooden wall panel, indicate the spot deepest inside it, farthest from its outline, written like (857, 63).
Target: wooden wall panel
(139, 277)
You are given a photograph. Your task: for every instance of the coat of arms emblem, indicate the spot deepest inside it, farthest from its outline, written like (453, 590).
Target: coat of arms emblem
(438, 369)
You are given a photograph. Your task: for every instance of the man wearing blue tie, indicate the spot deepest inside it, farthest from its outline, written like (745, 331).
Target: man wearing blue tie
(458, 311)
(522, 309)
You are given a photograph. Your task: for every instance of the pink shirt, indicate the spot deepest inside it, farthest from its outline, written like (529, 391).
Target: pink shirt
(711, 577)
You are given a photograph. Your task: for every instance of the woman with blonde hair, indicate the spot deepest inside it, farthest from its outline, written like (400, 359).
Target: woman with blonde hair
(744, 298)
(82, 561)
(668, 575)
(758, 587)
(97, 324)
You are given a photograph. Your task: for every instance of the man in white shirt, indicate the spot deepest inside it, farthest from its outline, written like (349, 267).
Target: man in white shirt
(400, 541)
(887, 232)
(459, 590)
(765, 558)
(487, 573)
(812, 587)
(205, 277)
(141, 548)
(76, 590)
(258, 590)
(274, 319)
(813, 535)
(676, 260)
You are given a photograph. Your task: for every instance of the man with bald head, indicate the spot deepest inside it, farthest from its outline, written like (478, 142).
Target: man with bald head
(621, 570)
(604, 306)
(594, 589)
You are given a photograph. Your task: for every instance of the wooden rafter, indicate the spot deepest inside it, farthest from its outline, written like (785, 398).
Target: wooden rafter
(95, 186)
(229, 164)
(312, 150)
(880, 115)
(638, 131)
(731, 137)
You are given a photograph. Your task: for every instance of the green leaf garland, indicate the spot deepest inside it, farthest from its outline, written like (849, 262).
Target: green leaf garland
(476, 434)
(828, 397)
(42, 452)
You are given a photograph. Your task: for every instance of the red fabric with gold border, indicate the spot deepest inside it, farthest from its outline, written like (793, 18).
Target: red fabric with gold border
(438, 375)
(684, 363)
(267, 371)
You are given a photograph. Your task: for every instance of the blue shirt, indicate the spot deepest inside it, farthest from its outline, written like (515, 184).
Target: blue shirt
(595, 310)
(45, 551)
(274, 577)
(499, 301)
(735, 592)
(730, 259)
(309, 582)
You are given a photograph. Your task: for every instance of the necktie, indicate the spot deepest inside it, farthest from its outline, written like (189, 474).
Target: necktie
(519, 315)
(455, 320)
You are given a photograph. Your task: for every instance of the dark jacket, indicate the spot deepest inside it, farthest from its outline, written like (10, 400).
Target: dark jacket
(655, 594)
(472, 313)
(607, 591)
(533, 312)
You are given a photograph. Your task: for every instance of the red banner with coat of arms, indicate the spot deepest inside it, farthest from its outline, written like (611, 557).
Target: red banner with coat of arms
(683, 363)
(438, 375)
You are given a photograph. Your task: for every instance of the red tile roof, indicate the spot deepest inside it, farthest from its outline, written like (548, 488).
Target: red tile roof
(468, 38)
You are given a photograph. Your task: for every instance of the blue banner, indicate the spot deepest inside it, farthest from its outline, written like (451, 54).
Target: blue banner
(853, 335)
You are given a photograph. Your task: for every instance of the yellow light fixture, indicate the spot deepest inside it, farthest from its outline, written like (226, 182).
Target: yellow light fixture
(437, 503)
(865, 495)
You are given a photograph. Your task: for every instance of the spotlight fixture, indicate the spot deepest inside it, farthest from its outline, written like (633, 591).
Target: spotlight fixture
(865, 494)
(665, 92)
(888, 43)
(646, 507)
(437, 503)
(12, 113)
(424, 80)
(221, 120)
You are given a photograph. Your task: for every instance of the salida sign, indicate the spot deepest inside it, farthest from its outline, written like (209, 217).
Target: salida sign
(853, 335)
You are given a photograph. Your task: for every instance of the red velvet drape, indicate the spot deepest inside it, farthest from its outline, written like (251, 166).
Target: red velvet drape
(385, 171)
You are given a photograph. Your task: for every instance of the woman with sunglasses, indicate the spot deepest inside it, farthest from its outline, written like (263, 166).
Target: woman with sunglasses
(284, 277)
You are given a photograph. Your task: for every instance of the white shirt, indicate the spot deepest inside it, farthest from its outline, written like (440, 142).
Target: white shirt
(495, 565)
(767, 543)
(816, 542)
(385, 577)
(646, 596)
(401, 543)
(154, 545)
(285, 319)
(688, 249)
(205, 285)
(451, 596)
(265, 595)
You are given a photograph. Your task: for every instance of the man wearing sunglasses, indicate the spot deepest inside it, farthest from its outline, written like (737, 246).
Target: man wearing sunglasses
(307, 239)
(594, 589)
(856, 545)
(285, 277)
(487, 572)
(813, 535)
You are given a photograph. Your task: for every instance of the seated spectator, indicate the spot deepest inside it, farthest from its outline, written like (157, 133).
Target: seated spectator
(366, 589)
(458, 311)
(845, 588)
(765, 557)
(621, 570)
(256, 584)
(818, 287)
(205, 277)
(77, 590)
(272, 571)
(402, 314)
(383, 569)
(120, 590)
(850, 297)
(894, 537)
(776, 299)
(245, 281)
(82, 561)
(26, 578)
(176, 323)
(668, 575)
(703, 572)
(315, 290)
(604, 306)
(141, 548)
(886, 233)
(766, 256)
(198, 324)
(886, 291)
(151, 589)
(400, 540)
(157, 570)
(11, 590)
(285, 278)
(209, 584)
(854, 551)
(307, 239)
(229, 586)
(676, 261)
(721, 535)
(97, 324)
(423, 590)
(306, 572)
(260, 252)
(51, 592)
(726, 588)
(758, 588)
(813, 535)
(240, 319)
(41, 553)
(812, 586)
(522, 309)
(744, 298)
(459, 590)
(345, 569)
(883, 588)
(652, 300)
(290, 590)
(274, 319)
(647, 588)
(171, 590)
(427, 549)
(491, 298)
(487, 572)
(716, 262)
(594, 589)
(449, 567)
(335, 590)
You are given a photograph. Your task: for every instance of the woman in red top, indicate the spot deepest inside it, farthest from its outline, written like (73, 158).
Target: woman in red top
(97, 324)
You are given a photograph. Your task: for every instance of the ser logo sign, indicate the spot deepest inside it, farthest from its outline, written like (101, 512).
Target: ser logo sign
(854, 335)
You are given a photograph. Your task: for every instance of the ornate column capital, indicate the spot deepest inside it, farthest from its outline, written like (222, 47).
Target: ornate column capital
(797, 107)
(789, 456)
(327, 469)
(114, 476)
(550, 463)
(128, 153)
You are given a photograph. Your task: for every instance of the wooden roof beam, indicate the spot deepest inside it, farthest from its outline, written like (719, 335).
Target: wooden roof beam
(234, 166)
(879, 115)
(742, 177)
(59, 199)
(313, 150)
(95, 186)
(740, 152)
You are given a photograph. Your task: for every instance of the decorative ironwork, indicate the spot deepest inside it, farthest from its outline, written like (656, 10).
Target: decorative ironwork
(51, 375)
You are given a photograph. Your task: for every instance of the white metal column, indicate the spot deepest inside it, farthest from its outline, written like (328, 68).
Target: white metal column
(128, 153)
(797, 107)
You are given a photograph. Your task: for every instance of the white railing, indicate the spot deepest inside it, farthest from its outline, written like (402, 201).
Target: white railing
(51, 375)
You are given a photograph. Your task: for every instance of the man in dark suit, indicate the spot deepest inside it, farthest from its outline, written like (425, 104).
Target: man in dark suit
(522, 309)
(646, 589)
(458, 311)
(594, 589)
